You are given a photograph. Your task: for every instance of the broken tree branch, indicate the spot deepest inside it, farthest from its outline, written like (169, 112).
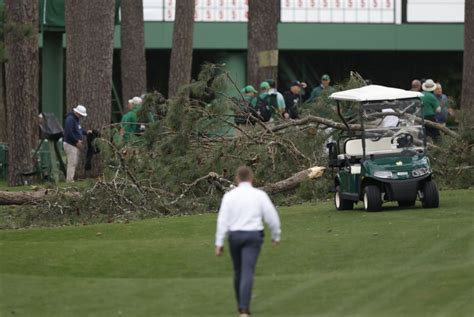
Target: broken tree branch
(294, 181)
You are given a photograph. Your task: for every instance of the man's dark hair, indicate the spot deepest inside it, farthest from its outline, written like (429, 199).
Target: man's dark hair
(244, 174)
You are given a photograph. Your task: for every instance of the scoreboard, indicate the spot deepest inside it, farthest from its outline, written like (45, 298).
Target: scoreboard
(299, 11)
(206, 10)
(338, 11)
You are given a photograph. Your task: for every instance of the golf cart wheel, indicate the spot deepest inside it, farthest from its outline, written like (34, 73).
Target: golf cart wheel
(430, 195)
(372, 198)
(406, 203)
(341, 203)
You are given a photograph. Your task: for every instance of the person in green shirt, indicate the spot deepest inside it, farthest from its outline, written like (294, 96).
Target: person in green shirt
(250, 95)
(129, 120)
(271, 96)
(280, 100)
(430, 108)
(324, 88)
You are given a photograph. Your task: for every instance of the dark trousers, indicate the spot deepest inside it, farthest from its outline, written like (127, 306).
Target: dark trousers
(433, 132)
(244, 250)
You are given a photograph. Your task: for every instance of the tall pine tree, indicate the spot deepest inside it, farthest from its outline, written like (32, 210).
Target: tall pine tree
(468, 68)
(22, 75)
(89, 59)
(262, 53)
(133, 62)
(182, 51)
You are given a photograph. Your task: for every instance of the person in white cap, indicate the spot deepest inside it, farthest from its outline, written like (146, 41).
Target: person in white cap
(430, 108)
(129, 120)
(73, 134)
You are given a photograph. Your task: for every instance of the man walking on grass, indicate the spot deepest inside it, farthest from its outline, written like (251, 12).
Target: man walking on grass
(241, 215)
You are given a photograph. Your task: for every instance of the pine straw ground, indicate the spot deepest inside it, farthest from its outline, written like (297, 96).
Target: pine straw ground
(410, 262)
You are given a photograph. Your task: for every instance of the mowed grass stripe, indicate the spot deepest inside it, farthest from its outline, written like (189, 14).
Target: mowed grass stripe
(410, 262)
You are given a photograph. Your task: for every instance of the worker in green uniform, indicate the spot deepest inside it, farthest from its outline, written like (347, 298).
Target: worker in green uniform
(324, 88)
(129, 120)
(270, 96)
(430, 108)
(250, 95)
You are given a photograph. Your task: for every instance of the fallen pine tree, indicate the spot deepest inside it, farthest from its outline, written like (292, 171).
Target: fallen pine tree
(214, 179)
(161, 172)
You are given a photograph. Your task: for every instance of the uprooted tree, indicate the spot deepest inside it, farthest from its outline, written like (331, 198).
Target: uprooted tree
(185, 160)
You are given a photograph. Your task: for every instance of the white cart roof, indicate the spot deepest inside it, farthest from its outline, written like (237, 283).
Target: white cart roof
(374, 93)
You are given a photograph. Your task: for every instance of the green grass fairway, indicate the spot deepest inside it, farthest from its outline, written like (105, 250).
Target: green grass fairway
(411, 262)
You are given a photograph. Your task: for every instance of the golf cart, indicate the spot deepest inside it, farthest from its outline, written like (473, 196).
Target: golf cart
(382, 157)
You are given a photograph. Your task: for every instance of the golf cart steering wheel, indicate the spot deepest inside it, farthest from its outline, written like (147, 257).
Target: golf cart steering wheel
(403, 139)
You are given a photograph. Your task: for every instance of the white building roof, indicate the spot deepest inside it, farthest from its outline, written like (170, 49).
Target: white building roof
(374, 93)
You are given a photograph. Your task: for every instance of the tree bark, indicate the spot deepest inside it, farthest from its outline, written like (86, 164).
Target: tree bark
(26, 197)
(264, 16)
(182, 51)
(467, 98)
(89, 58)
(133, 50)
(3, 108)
(21, 70)
(20, 198)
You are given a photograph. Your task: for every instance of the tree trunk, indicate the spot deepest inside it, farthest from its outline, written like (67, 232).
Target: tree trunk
(26, 197)
(182, 51)
(3, 108)
(21, 198)
(89, 59)
(467, 104)
(21, 73)
(262, 53)
(133, 50)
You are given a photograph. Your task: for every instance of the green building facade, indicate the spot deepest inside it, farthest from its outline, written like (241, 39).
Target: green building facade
(390, 52)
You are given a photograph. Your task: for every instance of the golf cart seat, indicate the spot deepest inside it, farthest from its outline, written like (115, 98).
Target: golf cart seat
(382, 146)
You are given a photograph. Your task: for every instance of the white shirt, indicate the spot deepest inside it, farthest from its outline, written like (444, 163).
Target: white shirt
(243, 209)
(280, 98)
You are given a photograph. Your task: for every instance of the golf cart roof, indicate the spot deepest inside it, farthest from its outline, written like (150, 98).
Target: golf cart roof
(374, 93)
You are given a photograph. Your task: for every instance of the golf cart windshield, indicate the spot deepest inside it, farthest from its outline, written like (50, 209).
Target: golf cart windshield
(391, 127)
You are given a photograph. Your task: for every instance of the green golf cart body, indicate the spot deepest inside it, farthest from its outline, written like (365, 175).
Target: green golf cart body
(383, 155)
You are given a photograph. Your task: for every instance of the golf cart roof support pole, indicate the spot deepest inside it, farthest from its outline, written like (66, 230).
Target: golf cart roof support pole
(342, 118)
(361, 113)
(423, 128)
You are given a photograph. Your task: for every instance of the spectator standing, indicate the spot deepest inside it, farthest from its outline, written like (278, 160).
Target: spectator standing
(442, 116)
(430, 108)
(267, 103)
(250, 95)
(280, 100)
(294, 98)
(73, 134)
(129, 120)
(245, 113)
(323, 88)
(416, 85)
(242, 213)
